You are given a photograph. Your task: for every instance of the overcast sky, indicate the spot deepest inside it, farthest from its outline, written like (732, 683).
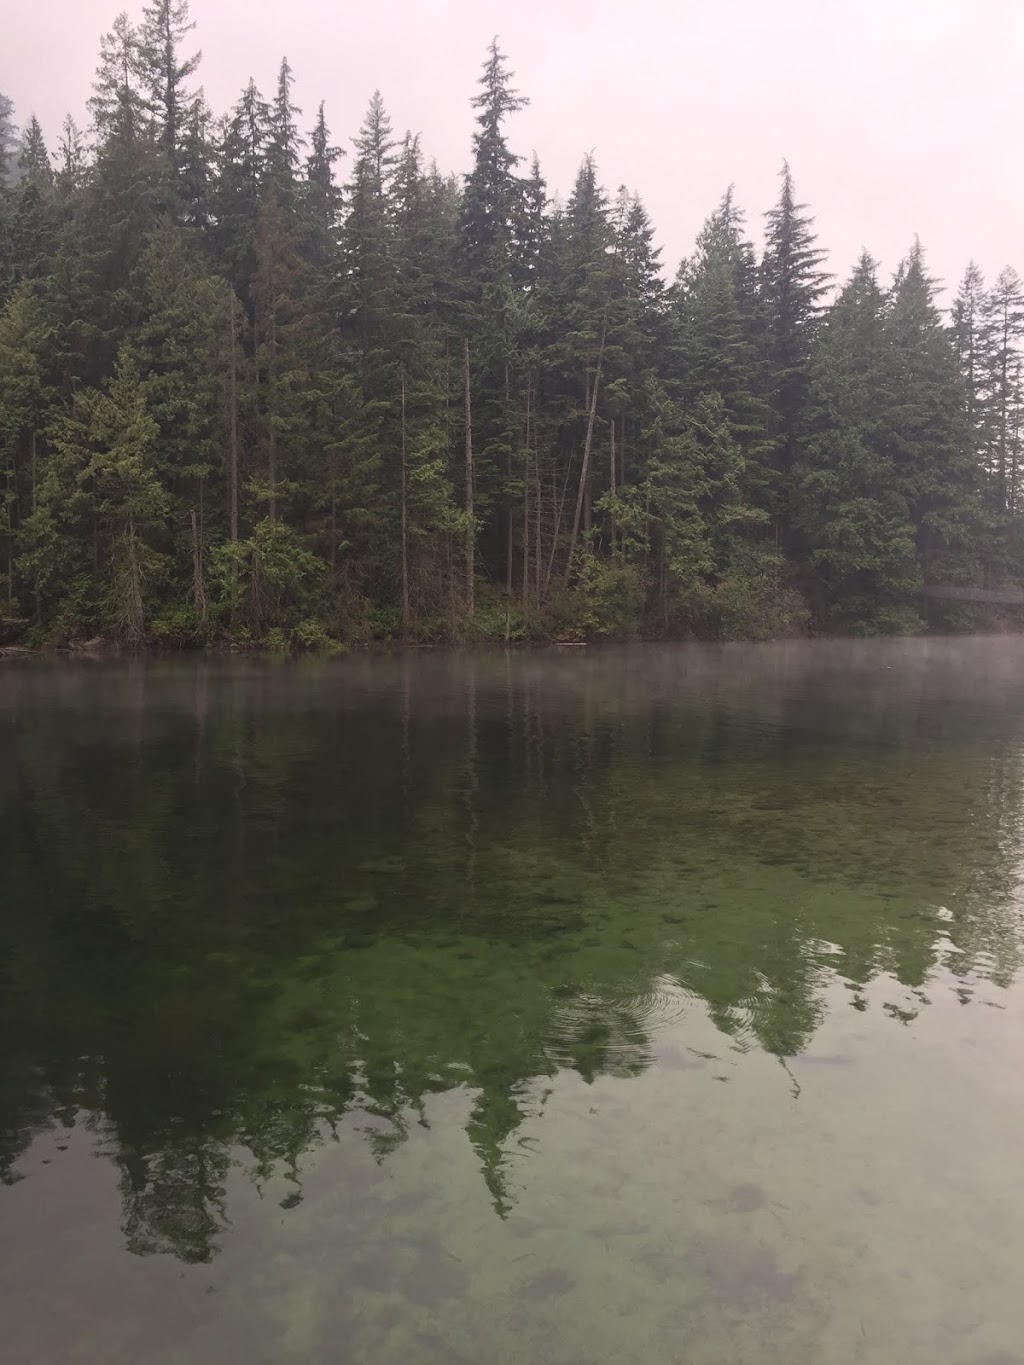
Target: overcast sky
(897, 116)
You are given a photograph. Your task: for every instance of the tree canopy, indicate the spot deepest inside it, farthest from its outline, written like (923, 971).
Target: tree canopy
(255, 388)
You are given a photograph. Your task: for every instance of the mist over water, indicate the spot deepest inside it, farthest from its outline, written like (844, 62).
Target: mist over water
(622, 1004)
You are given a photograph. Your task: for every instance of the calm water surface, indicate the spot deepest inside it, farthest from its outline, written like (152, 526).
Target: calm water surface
(650, 1006)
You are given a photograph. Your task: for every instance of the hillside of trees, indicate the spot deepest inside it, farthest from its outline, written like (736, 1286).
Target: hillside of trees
(257, 389)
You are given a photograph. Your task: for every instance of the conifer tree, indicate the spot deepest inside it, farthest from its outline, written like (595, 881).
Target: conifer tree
(254, 400)
(240, 172)
(34, 159)
(847, 501)
(925, 429)
(100, 482)
(28, 402)
(8, 140)
(717, 316)
(493, 203)
(32, 214)
(969, 342)
(70, 158)
(196, 168)
(164, 72)
(322, 196)
(1003, 323)
(128, 180)
(284, 144)
(792, 287)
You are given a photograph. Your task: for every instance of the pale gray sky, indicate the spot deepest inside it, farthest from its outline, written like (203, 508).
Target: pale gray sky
(897, 116)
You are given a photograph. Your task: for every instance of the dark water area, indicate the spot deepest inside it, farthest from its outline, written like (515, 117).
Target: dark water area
(631, 1005)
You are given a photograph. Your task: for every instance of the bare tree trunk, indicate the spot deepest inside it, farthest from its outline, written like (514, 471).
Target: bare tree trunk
(10, 545)
(611, 474)
(538, 549)
(1003, 379)
(470, 522)
(232, 427)
(12, 492)
(198, 594)
(509, 528)
(134, 615)
(334, 514)
(557, 527)
(526, 509)
(585, 470)
(1015, 447)
(405, 525)
(271, 426)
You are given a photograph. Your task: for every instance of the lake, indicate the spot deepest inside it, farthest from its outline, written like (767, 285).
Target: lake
(597, 1005)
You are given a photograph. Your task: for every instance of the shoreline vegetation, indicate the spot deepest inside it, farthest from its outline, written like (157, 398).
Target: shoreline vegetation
(976, 622)
(257, 391)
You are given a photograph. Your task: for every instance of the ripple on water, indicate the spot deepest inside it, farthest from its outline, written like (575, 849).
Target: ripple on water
(623, 1025)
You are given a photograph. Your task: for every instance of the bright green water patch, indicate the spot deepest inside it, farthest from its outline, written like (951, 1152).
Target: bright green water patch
(637, 1005)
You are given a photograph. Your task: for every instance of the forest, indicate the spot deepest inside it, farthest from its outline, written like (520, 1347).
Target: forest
(256, 390)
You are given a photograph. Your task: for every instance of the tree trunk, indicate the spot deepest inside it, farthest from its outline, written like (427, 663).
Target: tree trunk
(404, 567)
(198, 594)
(232, 426)
(134, 615)
(526, 511)
(538, 548)
(334, 521)
(611, 474)
(510, 523)
(585, 470)
(558, 524)
(272, 412)
(10, 545)
(470, 521)
(1015, 445)
(12, 489)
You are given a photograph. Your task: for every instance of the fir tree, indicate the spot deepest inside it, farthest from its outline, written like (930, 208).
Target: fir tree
(969, 343)
(237, 398)
(493, 204)
(925, 430)
(792, 287)
(1003, 323)
(8, 140)
(240, 172)
(284, 143)
(847, 501)
(717, 316)
(164, 72)
(33, 159)
(322, 196)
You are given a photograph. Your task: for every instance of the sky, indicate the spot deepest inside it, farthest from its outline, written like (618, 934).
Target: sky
(898, 117)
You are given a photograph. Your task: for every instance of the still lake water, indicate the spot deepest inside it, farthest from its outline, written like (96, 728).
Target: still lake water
(642, 1005)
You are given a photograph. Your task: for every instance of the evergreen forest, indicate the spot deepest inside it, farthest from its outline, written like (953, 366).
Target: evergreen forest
(258, 389)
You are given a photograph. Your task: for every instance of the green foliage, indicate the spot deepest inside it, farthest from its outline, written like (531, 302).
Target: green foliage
(178, 627)
(313, 637)
(233, 395)
(495, 621)
(610, 597)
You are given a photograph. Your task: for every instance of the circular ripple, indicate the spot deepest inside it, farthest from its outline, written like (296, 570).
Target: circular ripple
(595, 1029)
